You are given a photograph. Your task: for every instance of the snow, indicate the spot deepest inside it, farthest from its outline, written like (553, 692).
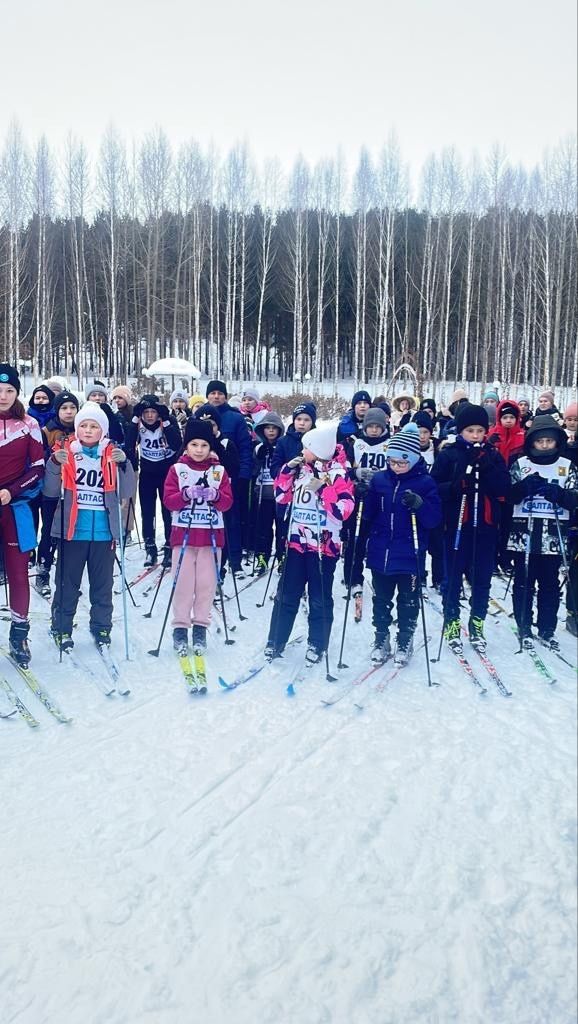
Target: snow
(250, 858)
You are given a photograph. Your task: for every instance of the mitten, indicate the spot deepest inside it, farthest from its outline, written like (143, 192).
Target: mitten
(412, 500)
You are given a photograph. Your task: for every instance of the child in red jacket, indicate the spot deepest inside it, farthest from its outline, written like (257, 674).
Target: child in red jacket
(197, 491)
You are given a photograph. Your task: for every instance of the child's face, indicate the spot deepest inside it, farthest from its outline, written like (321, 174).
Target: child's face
(373, 430)
(8, 396)
(508, 420)
(196, 406)
(249, 404)
(430, 412)
(571, 423)
(474, 434)
(120, 403)
(399, 466)
(198, 450)
(302, 423)
(360, 409)
(41, 398)
(404, 405)
(89, 433)
(524, 408)
(490, 401)
(271, 433)
(544, 402)
(67, 412)
(149, 417)
(178, 405)
(545, 444)
(309, 457)
(424, 437)
(98, 397)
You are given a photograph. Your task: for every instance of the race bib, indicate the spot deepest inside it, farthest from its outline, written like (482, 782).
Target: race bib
(201, 516)
(370, 456)
(306, 511)
(153, 445)
(89, 482)
(538, 506)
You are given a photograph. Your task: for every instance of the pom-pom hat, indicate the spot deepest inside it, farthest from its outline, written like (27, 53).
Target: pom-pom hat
(405, 445)
(92, 411)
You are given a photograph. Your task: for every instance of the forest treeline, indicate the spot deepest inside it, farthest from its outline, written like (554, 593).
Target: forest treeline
(106, 265)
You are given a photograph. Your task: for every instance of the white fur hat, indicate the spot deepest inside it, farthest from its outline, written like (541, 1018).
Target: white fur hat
(321, 441)
(92, 411)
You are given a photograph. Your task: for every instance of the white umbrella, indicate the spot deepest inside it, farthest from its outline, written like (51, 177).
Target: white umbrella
(172, 367)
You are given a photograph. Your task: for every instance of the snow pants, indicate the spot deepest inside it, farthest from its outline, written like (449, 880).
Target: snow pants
(572, 586)
(263, 517)
(435, 549)
(302, 570)
(195, 587)
(98, 557)
(477, 565)
(15, 566)
(543, 570)
(385, 586)
(150, 485)
(48, 544)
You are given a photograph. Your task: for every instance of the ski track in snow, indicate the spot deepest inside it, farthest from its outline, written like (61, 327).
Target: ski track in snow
(246, 858)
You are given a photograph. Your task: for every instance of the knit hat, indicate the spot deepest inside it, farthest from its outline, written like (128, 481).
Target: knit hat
(178, 394)
(9, 375)
(470, 415)
(490, 394)
(509, 408)
(423, 419)
(121, 391)
(216, 385)
(571, 410)
(96, 388)
(428, 403)
(523, 398)
(384, 406)
(360, 396)
(376, 416)
(46, 390)
(208, 411)
(198, 430)
(57, 384)
(405, 445)
(63, 398)
(458, 396)
(547, 393)
(322, 441)
(196, 400)
(305, 408)
(250, 393)
(92, 411)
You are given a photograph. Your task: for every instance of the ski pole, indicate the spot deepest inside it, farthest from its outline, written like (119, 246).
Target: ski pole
(527, 598)
(148, 615)
(421, 600)
(122, 566)
(61, 571)
(341, 663)
(257, 526)
(328, 676)
(228, 641)
(117, 560)
(242, 618)
(457, 540)
(259, 604)
(131, 505)
(565, 560)
(157, 649)
(280, 586)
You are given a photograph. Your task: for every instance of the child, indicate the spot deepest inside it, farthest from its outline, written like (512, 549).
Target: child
(526, 413)
(195, 402)
(179, 407)
(403, 408)
(287, 448)
(365, 451)
(352, 422)
(508, 436)
(428, 449)
(320, 497)
(571, 423)
(544, 480)
(87, 469)
(158, 436)
(252, 408)
(41, 405)
(262, 505)
(56, 432)
(197, 492)
(471, 473)
(405, 487)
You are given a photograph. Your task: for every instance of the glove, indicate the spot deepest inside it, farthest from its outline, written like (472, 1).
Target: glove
(533, 484)
(551, 492)
(296, 462)
(473, 455)
(181, 417)
(210, 493)
(493, 438)
(313, 484)
(117, 455)
(164, 413)
(412, 500)
(60, 456)
(364, 474)
(361, 488)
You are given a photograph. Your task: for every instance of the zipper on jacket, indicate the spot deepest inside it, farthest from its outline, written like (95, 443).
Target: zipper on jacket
(395, 489)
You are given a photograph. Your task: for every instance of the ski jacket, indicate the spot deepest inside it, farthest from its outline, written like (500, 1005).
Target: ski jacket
(55, 433)
(234, 427)
(348, 424)
(323, 511)
(535, 519)
(454, 478)
(90, 509)
(508, 441)
(159, 445)
(21, 454)
(205, 518)
(287, 448)
(390, 545)
(263, 454)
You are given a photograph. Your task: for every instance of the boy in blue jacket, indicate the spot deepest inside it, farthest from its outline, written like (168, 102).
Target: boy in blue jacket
(405, 487)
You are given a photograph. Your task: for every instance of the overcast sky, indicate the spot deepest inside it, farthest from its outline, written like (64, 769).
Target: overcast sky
(298, 76)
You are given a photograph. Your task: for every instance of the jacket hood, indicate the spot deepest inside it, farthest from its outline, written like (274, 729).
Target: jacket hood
(270, 419)
(396, 403)
(539, 425)
(509, 404)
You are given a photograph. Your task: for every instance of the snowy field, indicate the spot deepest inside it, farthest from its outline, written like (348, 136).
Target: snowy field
(250, 858)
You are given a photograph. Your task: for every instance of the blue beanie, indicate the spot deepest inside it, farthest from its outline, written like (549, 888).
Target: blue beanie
(405, 445)
(360, 396)
(307, 409)
(423, 419)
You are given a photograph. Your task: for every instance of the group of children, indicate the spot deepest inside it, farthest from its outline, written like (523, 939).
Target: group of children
(232, 479)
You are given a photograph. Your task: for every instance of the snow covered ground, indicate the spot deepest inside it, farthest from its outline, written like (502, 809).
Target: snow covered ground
(248, 858)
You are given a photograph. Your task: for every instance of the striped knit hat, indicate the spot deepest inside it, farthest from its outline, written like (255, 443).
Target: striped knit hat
(405, 445)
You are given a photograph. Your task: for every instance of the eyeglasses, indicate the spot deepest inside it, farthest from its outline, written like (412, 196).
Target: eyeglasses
(396, 462)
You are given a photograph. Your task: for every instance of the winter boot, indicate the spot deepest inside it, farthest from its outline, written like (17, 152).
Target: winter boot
(167, 556)
(381, 649)
(101, 637)
(18, 643)
(476, 631)
(313, 655)
(453, 635)
(527, 643)
(151, 557)
(549, 640)
(180, 640)
(403, 650)
(65, 641)
(261, 565)
(199, 639)
(42, 581)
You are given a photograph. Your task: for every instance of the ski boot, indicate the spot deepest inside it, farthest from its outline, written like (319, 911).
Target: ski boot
(180, 640)
(42, 581)
(381, 649)
(272, 652)
(199, 639)
(63, 641)
(261, 565)
(527, 643)
(101, 637)
(167, 556)
(237, 570)
(549, 640)
(403, 650)
(453, 635)
(151, 557)
(313, 655)
(476, 631)
(18, 643)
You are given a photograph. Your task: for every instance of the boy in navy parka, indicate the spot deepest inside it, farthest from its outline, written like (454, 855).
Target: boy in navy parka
(404, 487)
